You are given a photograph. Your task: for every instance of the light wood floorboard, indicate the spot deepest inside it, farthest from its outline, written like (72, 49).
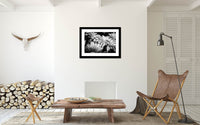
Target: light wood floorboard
(5, 114)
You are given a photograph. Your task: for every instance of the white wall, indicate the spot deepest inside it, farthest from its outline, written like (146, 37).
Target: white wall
(129, 72)
(155, 54)
(36, 63)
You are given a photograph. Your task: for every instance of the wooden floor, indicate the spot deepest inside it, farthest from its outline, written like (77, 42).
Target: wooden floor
(193, 111)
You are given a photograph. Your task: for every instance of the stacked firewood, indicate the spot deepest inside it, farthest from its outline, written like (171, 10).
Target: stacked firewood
(12, 96)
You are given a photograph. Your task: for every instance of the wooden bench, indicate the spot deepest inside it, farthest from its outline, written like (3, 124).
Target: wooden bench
(108, 104)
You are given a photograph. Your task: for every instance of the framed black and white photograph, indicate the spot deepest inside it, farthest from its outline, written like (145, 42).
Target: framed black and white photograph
(100, 42)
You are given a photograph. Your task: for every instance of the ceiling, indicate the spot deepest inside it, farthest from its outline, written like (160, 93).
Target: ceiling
(151, 4)
(173, 2)
(13, 5)
(174, 5)
(30, 2)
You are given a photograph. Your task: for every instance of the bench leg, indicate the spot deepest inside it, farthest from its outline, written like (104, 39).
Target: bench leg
(67, 115)
(110, 115)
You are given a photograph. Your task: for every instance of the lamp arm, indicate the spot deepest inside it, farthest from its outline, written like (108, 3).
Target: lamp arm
(166, 35)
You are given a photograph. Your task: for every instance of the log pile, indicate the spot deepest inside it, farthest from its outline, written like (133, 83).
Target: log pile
(12, 95)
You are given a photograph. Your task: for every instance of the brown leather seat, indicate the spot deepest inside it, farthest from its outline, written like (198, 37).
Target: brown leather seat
(167, 89)
(165, 98)
(31, 97)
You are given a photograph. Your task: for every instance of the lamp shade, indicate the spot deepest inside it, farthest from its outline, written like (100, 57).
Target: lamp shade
(160, 41)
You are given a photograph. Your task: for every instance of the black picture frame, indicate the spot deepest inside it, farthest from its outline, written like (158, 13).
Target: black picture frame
(100, 42)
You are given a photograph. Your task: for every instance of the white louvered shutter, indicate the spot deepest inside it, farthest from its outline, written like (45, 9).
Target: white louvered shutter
(186, 57)
(185, 30)
(172, 30)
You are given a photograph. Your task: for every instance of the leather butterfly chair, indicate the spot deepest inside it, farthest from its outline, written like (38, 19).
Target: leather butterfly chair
(167, 89)
(30, 98)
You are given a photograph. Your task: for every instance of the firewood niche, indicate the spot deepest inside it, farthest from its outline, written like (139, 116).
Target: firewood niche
(12, 95)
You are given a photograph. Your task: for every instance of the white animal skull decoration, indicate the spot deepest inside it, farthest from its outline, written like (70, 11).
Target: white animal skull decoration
(26, 41)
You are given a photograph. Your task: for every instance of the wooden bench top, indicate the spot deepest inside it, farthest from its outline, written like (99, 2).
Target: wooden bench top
(106, 103)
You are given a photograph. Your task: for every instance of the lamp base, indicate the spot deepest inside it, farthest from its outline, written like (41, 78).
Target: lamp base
(186, 120)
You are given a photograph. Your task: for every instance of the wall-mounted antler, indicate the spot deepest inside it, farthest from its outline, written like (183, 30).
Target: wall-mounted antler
(19, 38)
(32, 38)
(28, 39)
(25, 40)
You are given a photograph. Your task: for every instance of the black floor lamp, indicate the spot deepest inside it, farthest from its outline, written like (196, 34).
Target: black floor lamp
(161, 43)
